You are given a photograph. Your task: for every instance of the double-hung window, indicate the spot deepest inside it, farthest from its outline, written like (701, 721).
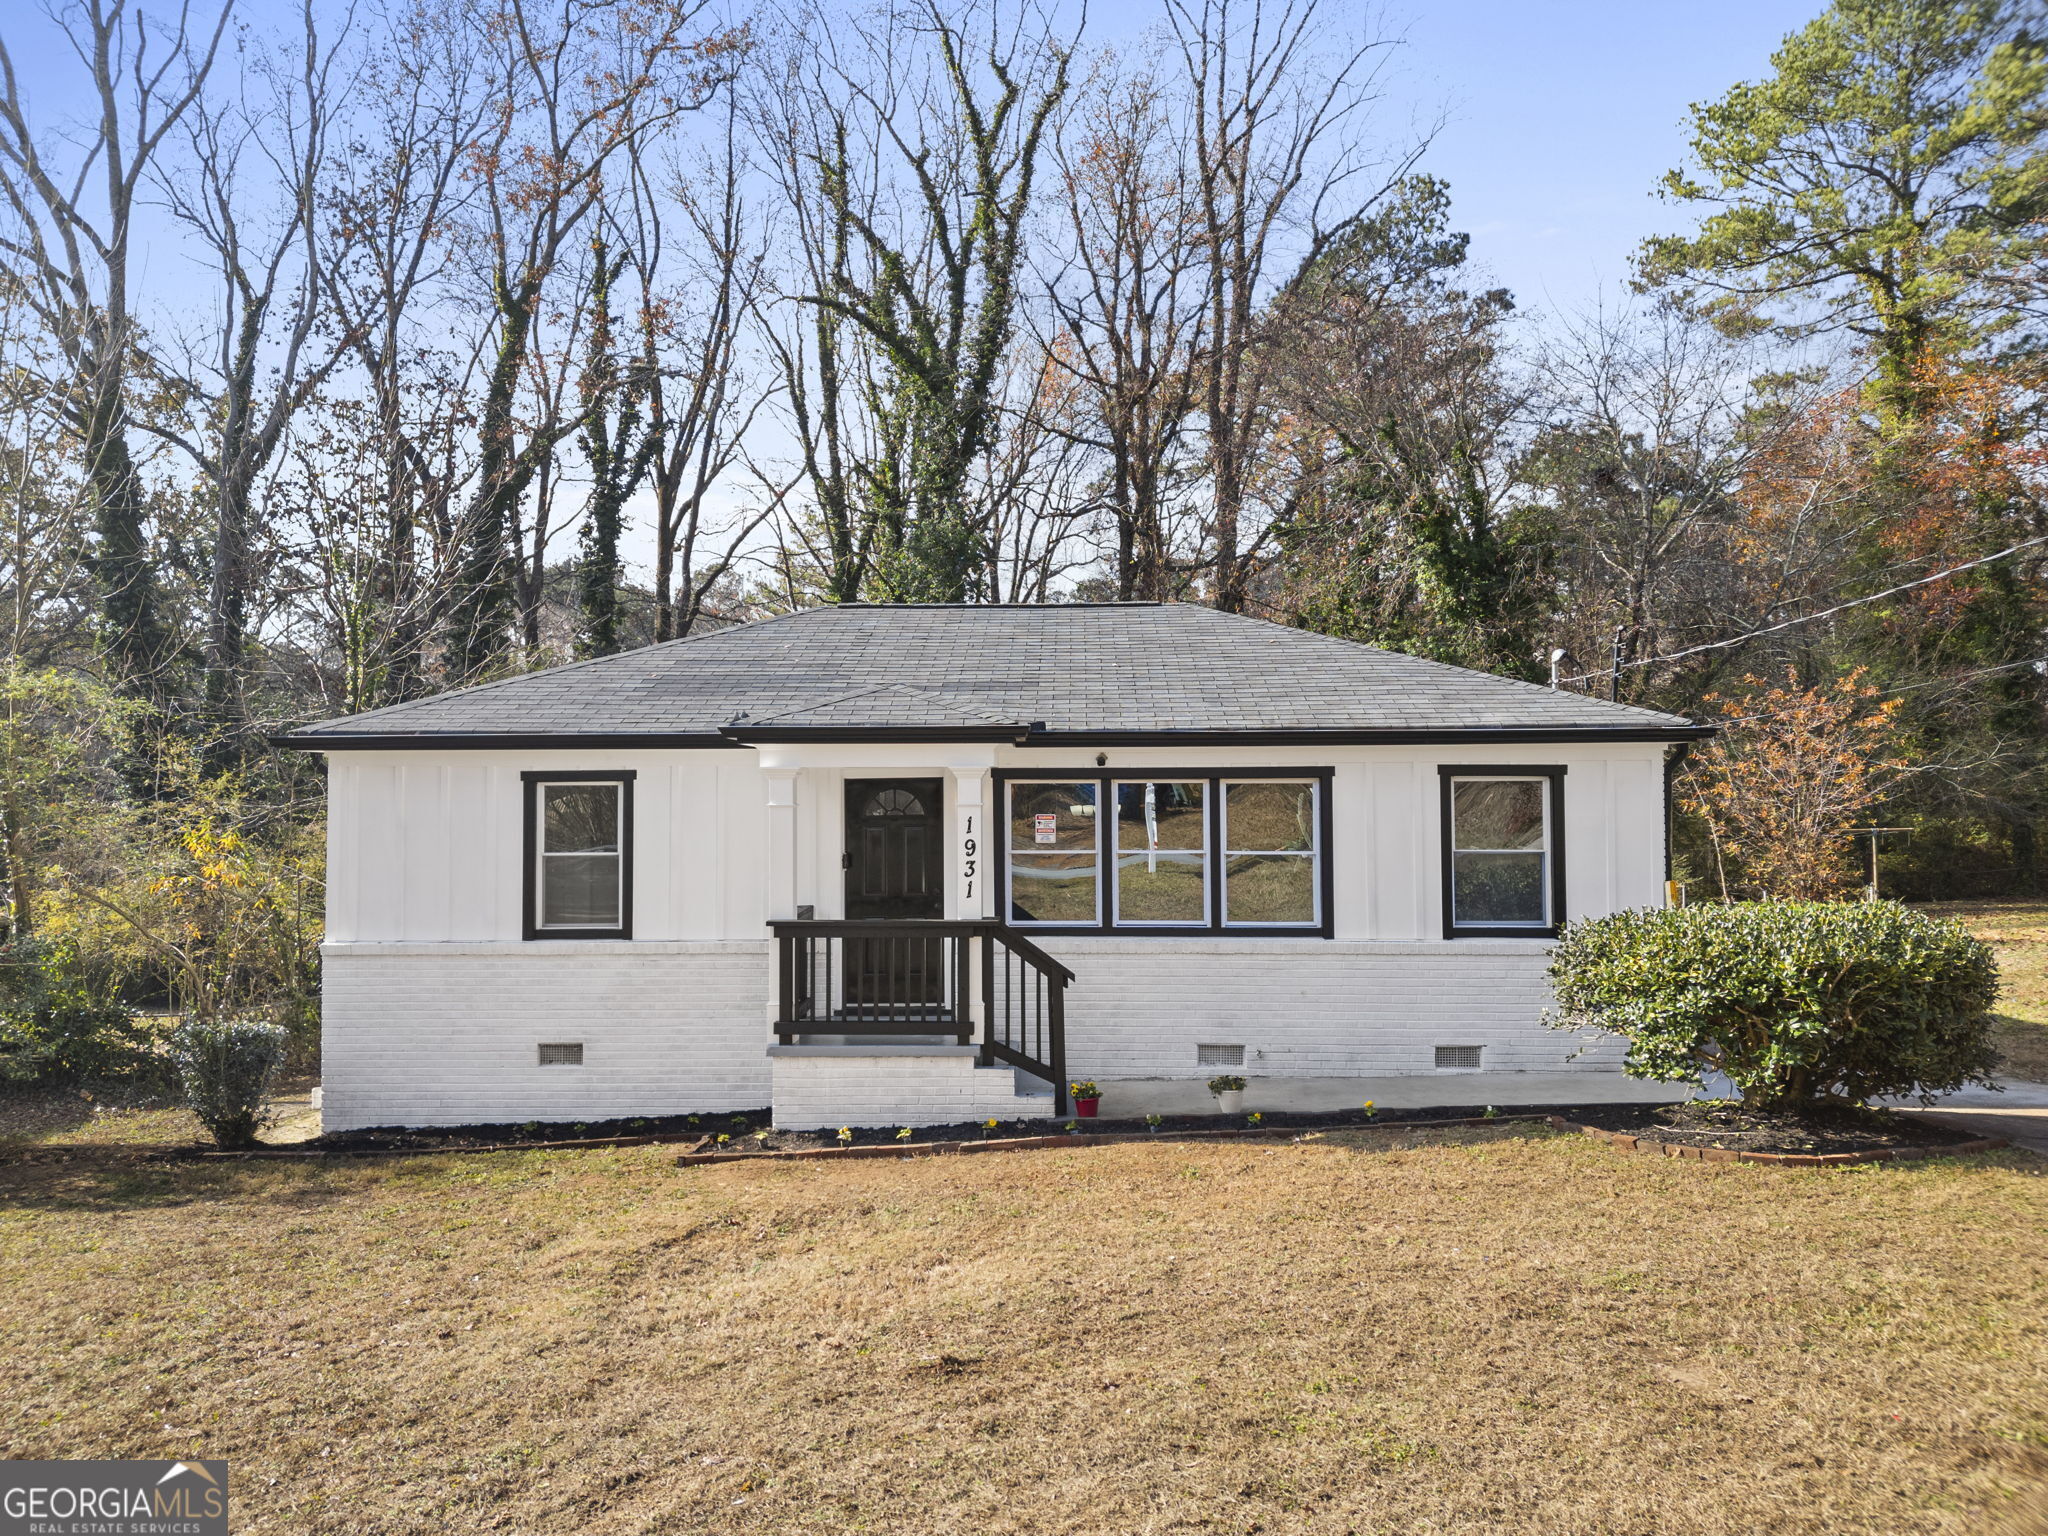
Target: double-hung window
(1167, 852)
(1503, 834)
(579, 855)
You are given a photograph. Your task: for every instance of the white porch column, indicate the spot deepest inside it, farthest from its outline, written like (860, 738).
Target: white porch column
(781, 843)
(974, 845)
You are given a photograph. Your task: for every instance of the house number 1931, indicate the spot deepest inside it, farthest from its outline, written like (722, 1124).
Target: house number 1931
(968, 848)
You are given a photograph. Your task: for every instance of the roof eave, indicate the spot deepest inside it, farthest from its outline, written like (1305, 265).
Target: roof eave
(398, 741)
(743, 736)
(1439, 735)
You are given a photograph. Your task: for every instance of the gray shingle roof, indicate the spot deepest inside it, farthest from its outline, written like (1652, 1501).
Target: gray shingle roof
(1098, 671)
(889, 706)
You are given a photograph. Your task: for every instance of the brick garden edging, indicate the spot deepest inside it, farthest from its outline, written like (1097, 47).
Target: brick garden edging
(885, 1149)
(1622, 1141)
(1085, 1139)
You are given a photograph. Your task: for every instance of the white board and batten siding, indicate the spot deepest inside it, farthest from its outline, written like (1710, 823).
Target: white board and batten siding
(435, 1007)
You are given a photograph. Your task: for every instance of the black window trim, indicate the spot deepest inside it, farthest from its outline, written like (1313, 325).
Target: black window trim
(530, 782)
(1447, 774)
(1105, 924)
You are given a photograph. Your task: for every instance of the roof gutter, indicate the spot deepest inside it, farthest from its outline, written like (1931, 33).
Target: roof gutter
(443, 741)
(734, 736)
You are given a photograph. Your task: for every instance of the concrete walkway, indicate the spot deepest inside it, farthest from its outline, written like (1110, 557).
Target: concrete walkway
(1125, 1097)
(2019, 1114)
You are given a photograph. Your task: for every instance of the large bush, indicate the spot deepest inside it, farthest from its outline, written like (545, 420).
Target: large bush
(226, 1068)
(1793, 1000)
(63, 1021)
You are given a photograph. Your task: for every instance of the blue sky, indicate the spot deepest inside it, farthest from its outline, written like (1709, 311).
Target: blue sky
(1563, 116)
(1559, 118)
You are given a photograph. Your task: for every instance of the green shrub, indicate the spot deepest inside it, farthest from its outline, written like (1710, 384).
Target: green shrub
(1793, 1000)
(226, 1068)
(61, 1022)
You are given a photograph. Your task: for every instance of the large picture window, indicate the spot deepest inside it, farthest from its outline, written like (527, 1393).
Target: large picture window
(1053, 861)
(1168, 851)
(1503, 851)
(579, 855)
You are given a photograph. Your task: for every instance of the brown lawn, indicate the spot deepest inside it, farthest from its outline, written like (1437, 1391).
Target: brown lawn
(1484, 1332)
(2018, 932)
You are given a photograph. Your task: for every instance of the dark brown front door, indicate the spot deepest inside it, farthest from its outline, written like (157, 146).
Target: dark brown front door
(895, 870)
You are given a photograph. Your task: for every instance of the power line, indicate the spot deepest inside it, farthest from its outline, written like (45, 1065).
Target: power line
(1932, 682)
(1825, 613)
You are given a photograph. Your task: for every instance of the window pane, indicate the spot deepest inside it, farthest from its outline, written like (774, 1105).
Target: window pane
(1052, 888)
(1160, 888)
(1263, 818)
(1052, 816)
(580, 818)
(1498, 813)
(1270, 888)
(1498, 888)
(1160, 816)
(579, 890)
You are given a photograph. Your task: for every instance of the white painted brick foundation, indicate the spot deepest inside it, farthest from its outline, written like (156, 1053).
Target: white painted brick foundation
(449, 1034)
(1313, 1008)
(820, 1088)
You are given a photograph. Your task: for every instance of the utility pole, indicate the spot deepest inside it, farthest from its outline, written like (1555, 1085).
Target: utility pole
(1873, 834)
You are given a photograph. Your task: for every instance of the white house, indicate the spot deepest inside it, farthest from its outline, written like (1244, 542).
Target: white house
(919, 864)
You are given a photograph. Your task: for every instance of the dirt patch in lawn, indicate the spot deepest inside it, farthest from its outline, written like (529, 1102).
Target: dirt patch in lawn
(1737, 1128)
(100, 1114)
(1453, 1332)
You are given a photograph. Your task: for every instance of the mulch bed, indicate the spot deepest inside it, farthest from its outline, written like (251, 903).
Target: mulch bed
(1713, 1132)
(749, 1133)
(1097, 1133)
(1718, 1131)
(638, 1130)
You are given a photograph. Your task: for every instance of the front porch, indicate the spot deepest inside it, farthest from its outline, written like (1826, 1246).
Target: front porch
(915, 1022)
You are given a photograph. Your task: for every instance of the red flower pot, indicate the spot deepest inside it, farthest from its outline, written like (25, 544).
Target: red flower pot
(1085, 1108)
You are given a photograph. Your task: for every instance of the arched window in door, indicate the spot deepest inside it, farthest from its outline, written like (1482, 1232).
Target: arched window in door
(893, 802)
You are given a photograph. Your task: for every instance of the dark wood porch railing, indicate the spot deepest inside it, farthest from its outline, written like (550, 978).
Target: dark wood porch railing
(927, 978)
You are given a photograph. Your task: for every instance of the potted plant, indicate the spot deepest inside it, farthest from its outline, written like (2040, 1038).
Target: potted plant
(1086, 1097)
(1229, 1091)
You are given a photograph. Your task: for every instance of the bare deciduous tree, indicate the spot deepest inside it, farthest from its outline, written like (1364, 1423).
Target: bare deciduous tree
(72, 216)
(1275, 106)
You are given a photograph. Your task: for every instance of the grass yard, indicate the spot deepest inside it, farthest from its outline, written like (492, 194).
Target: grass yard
(1490, 1331)
(2018, 931)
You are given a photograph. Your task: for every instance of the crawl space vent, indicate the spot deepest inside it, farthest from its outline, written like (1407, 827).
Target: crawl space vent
(1457, 1058)
(1219, 1055)
(569, 1054)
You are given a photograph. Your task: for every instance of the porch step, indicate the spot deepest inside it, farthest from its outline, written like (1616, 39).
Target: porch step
(819, 1087)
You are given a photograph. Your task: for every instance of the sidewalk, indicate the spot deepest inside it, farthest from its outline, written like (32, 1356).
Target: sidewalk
(2019, 1114)
(1126, 1097)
